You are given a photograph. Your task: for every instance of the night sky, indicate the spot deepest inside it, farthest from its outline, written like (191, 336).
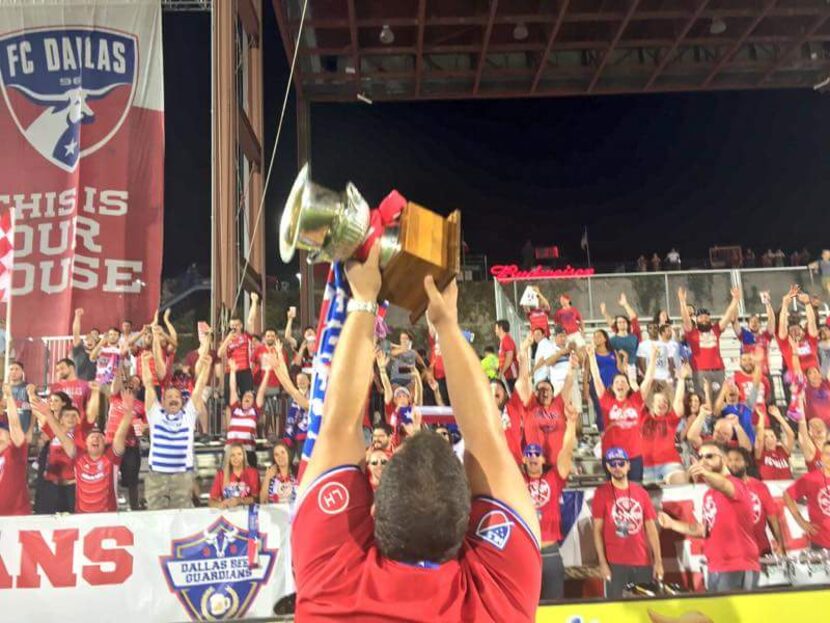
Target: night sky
(643, 173)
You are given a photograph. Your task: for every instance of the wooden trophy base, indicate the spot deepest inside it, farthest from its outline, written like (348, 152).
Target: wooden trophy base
(429, 245)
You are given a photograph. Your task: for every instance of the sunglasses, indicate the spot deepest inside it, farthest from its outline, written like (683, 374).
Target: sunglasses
(617, 463)
(379, 462)
(532, 453)
(709, 456)
(444, 434)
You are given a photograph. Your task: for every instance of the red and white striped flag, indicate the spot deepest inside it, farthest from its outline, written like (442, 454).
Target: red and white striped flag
(6, 255)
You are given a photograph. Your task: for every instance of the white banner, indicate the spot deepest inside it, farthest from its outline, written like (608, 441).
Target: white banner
(158, 566)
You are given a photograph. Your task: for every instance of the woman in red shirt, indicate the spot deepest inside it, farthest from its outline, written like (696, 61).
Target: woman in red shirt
(774, 458)
(621, 409)
(279, 485)
(660, 456)
(236, 484)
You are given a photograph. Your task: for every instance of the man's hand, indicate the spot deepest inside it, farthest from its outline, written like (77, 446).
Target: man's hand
(603, 310)
(291, 314)
(79, 312)
(697, 470)
(254, 298)
(31, 390)
(94, 386)
(364, 277)
(443, 306)
(685, 372)
(665, 521)
(804, 298)
(736, 294)
(381, 359)
(681, 295)
(605, 571)
(623, 301)
(658, 570)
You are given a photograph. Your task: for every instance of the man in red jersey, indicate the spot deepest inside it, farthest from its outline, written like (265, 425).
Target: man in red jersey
(729, 535)
(508, 360)
(238, 346)
(815, 487)
(744, 379)
(433, 543)
(625, 532)
(14, 452)
(512, 406)
(96, 464)
(772, 457)
(545, 488)
(764, 509)
(539, 315)
(569, 318)
(69, 383)
(703, 337)
(806, 343)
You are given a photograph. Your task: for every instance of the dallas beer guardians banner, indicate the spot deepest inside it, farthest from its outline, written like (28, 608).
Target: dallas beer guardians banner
(81, 164)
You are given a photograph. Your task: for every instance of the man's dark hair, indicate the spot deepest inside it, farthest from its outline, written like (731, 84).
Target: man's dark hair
(489, 349)
(70, 408)
(267, 329)
(407, 334)
(499, 382)
(742, 451)
(713, 444)
(422, 506)
(503, 325)
(67, 361)
(384, 427)
(17, 363)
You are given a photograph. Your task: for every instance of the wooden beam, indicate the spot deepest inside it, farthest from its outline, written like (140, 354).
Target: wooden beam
(248, 140)
(817, 24)
(681, 35)
(288, 42)
(554, 32)
(632, 8)
(419, 58)
(485, 43)
(249, 18)
(354, 41)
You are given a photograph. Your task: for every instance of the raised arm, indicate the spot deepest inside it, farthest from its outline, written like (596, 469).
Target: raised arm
(770, 313)
(731, 312)
(76, 326)
(648, 379)
(233, 396)
(281, 370)
(289, 321)
(251, 321)
(158, 355)
(564, 462)
(789, 435)
(93, 356)
(16, 433)
(684, 310)
(199, 389)
(523, 386)
(263, 385)
(93, 405)
(172, 335)
(599, 387)
(623, 301)
(544, 304)
(808, 448)
(743, 439)
(784, 318)
(223, 347)
(609, 319)
(721, 399)
(119, 440)
(759, 437)
(340, 441)
(150, 398)
(679, 404)
(490, 468)
(717, 481)
(695, 529)
(809, 310)
(382, 361)
(694, 434)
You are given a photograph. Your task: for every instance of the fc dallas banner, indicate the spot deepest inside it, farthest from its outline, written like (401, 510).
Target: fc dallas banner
(82, 134)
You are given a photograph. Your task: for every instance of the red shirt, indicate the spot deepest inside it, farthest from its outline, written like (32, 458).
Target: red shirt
(546, 426)
(545, 493)
(814, 464)
(815, 486)
(624, 511)
(259, 353)
(436, 359)
(244, 485)
(763, 506)
(512, 423)
(817, 401)
(539, 319)
(282, 489)
(775, 465)
(116, 414)
(622, 420)
(705, 347)
(744, 383)
(569, 318)
(96, 482)
(507, 345)
(658, 439)
(242, 426)
(496, 575)
(14, 487)
(730, 534)
(239, 349)
(77, 390)
(59, 465)
(807, 352)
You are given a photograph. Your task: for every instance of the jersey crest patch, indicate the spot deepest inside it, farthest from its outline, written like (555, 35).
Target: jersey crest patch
(495, 528)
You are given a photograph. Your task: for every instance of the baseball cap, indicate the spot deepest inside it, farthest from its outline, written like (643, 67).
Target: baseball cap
(616, 453)
(532, 448)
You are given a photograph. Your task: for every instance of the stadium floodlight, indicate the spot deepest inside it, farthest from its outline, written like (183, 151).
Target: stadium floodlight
(387, 37)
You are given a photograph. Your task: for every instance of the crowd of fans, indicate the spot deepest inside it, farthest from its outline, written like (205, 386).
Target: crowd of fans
(666, 411)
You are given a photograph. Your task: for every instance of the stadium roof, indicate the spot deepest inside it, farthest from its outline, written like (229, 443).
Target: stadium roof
(462, 49)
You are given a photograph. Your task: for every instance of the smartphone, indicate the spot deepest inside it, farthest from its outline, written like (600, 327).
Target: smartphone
(202, 329)
(293, 310)
(765, 298)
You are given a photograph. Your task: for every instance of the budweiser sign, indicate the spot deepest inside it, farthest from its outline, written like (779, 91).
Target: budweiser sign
(511, 272)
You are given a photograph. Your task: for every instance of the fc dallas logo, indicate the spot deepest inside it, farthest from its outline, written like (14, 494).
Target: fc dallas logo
(756, 507)
(710, 511)
(539, 492)
(824, 501)
(57, 80)
(628, 512)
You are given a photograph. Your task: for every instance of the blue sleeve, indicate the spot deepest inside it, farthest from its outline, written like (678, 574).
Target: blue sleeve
(745, 418)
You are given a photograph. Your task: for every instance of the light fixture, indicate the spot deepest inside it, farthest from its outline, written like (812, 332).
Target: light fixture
(387, 37)
(520, 32)
(362, 97)
(717, 27)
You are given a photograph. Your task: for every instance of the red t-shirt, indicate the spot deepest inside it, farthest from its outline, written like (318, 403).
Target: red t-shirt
(622, 420)
(436, 359)
(817, 401)
(116, 414)
(568, 318)
(705, 347)
(814, 464)
(730, 542)
(59, 465)
(512, 423)
(96, 482)
(546, 426)
(496, 575)
(259, 353)
(507, 345)
(243, 485)
(539, 319)
(775, 465)
(14, 487)
(624, 511)
(77, 390)
(744, 383)
(239, 349)
(242, 426)
(658, 439)
(545, 493)
(282, 489)
(815, 486)
(807, 352)
(763, 506)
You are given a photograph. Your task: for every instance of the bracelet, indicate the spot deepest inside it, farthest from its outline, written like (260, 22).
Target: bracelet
(362, 306)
